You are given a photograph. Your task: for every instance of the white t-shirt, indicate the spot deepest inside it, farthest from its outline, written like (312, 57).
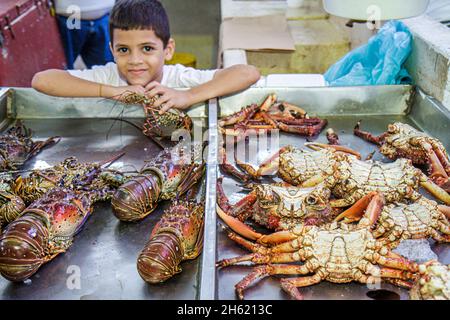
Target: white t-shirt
(89, 10)
(174, 76)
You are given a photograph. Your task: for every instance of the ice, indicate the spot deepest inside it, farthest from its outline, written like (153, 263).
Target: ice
(416, 250)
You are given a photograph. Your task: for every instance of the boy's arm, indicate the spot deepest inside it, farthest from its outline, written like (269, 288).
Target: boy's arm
(61, 83)
(225, 81)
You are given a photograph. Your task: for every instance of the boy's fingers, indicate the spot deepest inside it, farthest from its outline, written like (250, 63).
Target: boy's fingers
(155, 91)
(161, 100)
(152, 85)
(166, 107)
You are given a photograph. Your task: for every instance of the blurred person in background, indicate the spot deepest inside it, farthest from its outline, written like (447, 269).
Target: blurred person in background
(84, 27)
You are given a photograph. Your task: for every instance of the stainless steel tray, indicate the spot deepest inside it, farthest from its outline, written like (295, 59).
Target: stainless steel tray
(105, 251)
(343, 107)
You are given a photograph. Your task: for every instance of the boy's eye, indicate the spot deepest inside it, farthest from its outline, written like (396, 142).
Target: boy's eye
(123, 50)
(147, 48)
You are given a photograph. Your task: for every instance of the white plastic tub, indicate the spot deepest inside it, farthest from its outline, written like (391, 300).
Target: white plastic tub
(375, 9)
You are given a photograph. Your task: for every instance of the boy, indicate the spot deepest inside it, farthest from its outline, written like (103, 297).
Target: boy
(140, 43)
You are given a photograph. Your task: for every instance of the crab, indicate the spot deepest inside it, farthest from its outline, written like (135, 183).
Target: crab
(336, 253)
(403, 141)
(348, 177)
(278, 206)
(420, 219)
(434, 282)
(271, 115)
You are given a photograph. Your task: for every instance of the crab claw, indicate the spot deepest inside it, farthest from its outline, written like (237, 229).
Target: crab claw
(238, 226)
(370, 205)
(318, 146)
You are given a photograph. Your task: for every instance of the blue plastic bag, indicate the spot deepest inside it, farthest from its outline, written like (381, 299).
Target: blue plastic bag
(379, 62)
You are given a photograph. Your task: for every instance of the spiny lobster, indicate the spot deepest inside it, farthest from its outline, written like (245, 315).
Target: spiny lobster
(174, 171)
(17, 146)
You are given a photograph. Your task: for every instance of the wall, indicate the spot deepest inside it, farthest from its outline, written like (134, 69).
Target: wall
(195, 28)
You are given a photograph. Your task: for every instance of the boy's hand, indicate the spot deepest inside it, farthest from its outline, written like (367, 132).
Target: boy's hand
(168, 98)
(119, 93)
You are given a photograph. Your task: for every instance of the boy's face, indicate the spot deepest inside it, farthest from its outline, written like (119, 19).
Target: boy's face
(140, 55)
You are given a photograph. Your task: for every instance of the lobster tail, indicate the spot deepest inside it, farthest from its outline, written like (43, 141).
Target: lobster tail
(178, 236)
(22, 248)
(137, 198)
(161, 257)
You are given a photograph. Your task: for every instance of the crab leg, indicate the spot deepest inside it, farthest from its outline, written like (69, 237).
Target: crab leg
(434, 189)
(445, 210)
(239, 116)
(227, 167)
(318, 146)
(267, 270)
(288, 107)
(369, 136)
(438, 172)
(304, 130)
(290, 285)
(268, 167)
(242, 209)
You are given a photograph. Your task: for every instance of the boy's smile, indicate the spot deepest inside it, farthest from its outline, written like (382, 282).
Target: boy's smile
(140, 55)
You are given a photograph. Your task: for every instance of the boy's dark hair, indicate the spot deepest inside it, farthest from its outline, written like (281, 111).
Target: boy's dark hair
(140, 15)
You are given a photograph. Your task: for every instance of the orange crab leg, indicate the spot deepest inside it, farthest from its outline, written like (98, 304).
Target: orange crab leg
(445, 210)
(437, 170)
(434, 189)
(371, 204)
(369, 136)
(291, 107)
(238, 226)
(268, 102)
(242, 209)
(317, 146)
(290, 285)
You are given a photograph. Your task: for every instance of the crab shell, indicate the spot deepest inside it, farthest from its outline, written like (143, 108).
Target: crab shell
(45, 229)
(282, 208)
(402, 140)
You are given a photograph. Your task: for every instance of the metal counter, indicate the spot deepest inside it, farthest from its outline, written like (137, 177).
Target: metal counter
(342, 107)
(104, 253)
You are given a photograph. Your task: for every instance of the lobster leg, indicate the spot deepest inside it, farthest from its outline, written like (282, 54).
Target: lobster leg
(39, 145)
(194, 174)
(378, 140)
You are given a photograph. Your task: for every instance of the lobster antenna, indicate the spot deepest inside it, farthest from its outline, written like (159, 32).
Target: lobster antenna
(112, 160)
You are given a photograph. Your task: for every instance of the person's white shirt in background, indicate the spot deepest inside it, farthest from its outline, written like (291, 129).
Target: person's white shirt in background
(174, 76)
(90, 9)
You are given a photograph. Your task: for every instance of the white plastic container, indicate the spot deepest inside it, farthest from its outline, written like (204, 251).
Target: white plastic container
(375, 9)
(295, 3)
